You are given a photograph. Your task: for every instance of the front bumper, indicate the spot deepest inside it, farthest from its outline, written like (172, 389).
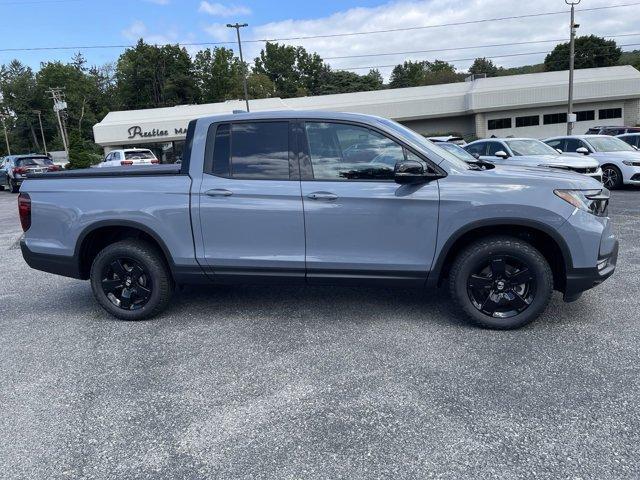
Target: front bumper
(581, 279)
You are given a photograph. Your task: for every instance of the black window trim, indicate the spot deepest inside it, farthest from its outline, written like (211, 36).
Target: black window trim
(210, 142)
(306, 167)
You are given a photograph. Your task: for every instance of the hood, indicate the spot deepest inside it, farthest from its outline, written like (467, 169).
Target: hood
(616, 155)
(582, 161)
(538, 175)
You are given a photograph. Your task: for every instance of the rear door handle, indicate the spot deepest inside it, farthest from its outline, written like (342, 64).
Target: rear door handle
(219, 192)
(322, 196)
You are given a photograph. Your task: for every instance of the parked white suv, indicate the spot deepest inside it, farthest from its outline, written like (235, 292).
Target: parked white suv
(129, 156)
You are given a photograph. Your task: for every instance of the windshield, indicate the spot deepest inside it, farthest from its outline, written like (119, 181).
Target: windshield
(33, 162)
(427, 144)
(609, 144)
(530, 147)
(139, 155)
(458, 151)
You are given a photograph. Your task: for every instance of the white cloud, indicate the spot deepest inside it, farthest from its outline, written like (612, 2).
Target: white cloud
(405, 13)
(220, 10)
(220, 32)
(138, 29)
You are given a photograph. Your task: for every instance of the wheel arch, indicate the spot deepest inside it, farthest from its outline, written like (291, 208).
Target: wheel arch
(100, 234)
(543, 237)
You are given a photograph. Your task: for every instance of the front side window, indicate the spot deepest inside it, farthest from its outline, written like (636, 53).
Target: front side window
(495, 147)
(252, 150)
(573, 144)
(350, 152)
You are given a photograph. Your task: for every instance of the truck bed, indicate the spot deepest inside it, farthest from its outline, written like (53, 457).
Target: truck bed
(131, 171)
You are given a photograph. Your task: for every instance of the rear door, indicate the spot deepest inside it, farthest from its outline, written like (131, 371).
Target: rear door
(251, 214)
(360, 224)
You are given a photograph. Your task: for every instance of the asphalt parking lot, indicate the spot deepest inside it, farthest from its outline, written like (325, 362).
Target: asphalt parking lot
(265, 382)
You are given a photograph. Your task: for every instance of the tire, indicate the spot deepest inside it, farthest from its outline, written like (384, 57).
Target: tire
(131, 280)
(13, 188)
(612, 177)
(482, 282)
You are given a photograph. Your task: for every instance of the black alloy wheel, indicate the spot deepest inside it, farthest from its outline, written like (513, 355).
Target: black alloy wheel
(501, 282)
(501, 287)
(126, 284)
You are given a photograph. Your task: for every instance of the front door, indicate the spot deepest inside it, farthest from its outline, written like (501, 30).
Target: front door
(360, 224)
(250, 203)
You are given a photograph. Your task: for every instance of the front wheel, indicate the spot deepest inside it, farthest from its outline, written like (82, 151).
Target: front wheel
(611, 177)
(130, 280)
(501, 282)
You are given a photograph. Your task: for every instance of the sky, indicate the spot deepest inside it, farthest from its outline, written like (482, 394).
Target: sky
(61, 23)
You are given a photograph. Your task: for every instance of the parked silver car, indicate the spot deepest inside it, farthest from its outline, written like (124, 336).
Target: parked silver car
(620, 161)
(530, 152)
(632, 139)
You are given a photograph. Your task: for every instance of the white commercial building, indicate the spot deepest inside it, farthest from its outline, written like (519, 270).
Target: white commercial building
(532, 105)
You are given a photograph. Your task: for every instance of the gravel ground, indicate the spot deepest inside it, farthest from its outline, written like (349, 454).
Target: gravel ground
(282, 382)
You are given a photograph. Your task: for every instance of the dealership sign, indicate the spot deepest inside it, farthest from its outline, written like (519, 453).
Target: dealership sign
(137, 132)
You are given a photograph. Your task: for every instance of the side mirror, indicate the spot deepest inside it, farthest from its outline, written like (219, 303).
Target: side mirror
(559, 150)
(501, 154)
(411, 172)
(582, 150)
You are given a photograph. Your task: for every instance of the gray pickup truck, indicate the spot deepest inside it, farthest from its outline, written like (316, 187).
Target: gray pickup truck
(321, 198)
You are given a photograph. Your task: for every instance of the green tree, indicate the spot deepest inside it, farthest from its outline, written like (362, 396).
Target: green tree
(342, 81)
(293, 71)
(591, 52)
(484, 65)
(260, 86)
(414, 74)
(149, 76)
(218, 75)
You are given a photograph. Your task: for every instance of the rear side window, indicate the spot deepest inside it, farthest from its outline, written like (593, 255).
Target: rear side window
(252, 150)
(479, 148)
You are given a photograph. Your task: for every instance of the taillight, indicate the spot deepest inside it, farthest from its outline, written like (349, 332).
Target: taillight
(53, 168)
(155, 160)
(19, 171)
(126, 162)
(24, 209)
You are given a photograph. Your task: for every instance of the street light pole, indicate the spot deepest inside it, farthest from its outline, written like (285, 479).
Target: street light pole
(44, 143)
(6, 136)
(238, 26)
(572, 56)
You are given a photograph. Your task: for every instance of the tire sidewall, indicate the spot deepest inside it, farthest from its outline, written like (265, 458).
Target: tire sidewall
(619, 179)
(529, 257)
(153, 267)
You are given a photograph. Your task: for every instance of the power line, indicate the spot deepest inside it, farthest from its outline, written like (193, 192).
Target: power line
(333, 35)
(467, 47)
(523, 54)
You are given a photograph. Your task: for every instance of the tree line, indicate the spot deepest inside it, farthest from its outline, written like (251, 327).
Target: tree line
(150, 76)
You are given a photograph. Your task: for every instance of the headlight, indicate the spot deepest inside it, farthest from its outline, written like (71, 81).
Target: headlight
(631, 163)
(591, 201)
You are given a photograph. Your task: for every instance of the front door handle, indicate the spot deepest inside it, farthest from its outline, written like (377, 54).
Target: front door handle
(322, 196)
(219, 192)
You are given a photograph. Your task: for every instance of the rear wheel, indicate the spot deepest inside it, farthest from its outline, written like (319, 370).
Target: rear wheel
(130, 280)
(501, 282)
(611, 177)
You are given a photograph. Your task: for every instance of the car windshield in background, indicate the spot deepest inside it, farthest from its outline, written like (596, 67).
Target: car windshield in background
(530, 147)
(139, 155)
(610, 144)
(33, 162)
(427, 144)
(458, 151)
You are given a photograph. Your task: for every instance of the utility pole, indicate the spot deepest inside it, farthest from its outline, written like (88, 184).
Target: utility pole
(6, 136)
(238, 26)
(44, 143)
(572, 56)
(60, 104)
